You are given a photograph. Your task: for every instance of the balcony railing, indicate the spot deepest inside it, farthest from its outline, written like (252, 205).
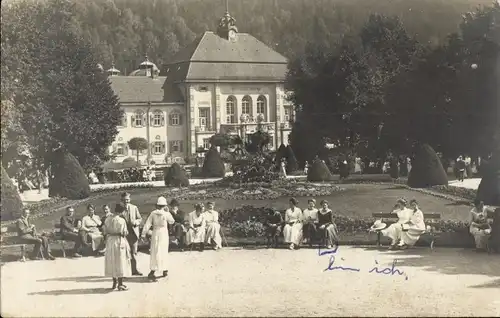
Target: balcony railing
(204, 129)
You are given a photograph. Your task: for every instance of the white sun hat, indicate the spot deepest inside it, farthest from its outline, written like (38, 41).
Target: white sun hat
(161, 201)
(378, 225)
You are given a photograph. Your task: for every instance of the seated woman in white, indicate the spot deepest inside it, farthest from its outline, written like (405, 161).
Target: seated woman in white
(394, 230)
(414, 228)
(197, 227)
(91, 226)
(292, 231)
(479, 226)
(213, 227)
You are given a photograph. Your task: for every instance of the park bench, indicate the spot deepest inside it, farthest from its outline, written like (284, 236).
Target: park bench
(10, 240)
(57, 237)
(390, 218)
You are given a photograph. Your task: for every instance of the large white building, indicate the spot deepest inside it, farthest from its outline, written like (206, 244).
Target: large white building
(223, 82)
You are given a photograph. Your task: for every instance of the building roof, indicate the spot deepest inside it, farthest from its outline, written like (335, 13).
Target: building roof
(138, 88)
(213, 58)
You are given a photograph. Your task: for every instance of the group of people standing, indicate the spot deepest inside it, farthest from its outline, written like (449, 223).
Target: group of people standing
(308, 225)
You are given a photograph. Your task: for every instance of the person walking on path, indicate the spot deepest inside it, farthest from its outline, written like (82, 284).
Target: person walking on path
(117, 255)
(159, 220)
(133, 218)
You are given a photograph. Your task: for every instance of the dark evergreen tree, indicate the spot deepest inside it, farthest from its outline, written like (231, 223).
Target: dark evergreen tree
(213, 166)
(11, 205)
(489, 188)
(69, 179)
(426, 169)
(291, 162)
(176, 176)
(280, 154)
(319, 171)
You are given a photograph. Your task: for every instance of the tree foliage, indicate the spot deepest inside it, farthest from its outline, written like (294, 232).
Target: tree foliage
(11, 205)
(213, 166)
(138, 144)
(175, 176)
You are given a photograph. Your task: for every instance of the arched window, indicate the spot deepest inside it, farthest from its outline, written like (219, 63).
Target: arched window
(175, 118)
(138, 118)
(246, 105)
(157, 118)
(231, 110)
(261, 106)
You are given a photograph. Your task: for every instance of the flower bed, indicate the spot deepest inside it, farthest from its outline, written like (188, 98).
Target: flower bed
(247, 221)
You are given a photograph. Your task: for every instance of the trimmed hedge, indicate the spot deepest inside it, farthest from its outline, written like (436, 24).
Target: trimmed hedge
(280, 154)
(69, 179)
(427, 170)
(176, 176)
(213, 166)
(489, 188)
(318, 171)
(11, 205)
(291, 162)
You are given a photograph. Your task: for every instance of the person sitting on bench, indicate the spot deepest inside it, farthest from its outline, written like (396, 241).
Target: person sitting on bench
(90, 227)
(70, 232)
(27, 234)
(415, 227)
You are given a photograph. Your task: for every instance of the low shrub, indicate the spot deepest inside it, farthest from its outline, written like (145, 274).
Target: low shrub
(319, 172)
(176, 176)
(213, 166)
(69, 179)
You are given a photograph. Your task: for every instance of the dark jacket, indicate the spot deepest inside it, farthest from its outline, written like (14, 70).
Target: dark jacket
(23, 227)
(67, 224)
(274, 218)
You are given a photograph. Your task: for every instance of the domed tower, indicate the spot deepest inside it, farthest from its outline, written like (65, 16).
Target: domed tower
(227, 27)
(113, 71)
(146, 68)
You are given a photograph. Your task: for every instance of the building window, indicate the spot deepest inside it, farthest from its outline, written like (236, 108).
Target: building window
(121, 149)
(288, 114)
(158, 119)
(261, 106)
(231, 110)
(176, 146)
(158, 147)
(204, 116)
(246, 105)
(123, 122)
(203, 89)
(138, 119)
(206, 143)
(142, 152)
(175, 119)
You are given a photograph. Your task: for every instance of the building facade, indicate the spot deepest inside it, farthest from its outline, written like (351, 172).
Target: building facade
(225, 81)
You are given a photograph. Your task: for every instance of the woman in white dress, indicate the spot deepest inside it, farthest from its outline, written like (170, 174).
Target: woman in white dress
(283, 168)
(197, 227)
(159, 220)
(394, 230)
(292, 231)
(479, 226)
(414, 228)
(117, 256)
(91, 224)
(213, 227)
(310, 222)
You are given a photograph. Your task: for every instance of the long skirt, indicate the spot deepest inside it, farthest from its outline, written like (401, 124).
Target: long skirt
(310, 231)
(158, 254)
(393, 232)
(213, 233)
(195, 237)
(293, 233)
(331, 234)
(481, 236)
(411, 236)
(117, 257)
(96, 240)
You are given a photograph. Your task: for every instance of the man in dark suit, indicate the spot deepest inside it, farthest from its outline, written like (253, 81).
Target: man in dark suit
(70, 232)
(134, 219)
(27, 234)
(179, 227)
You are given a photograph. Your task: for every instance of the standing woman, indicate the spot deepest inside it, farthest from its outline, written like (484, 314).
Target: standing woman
(197, 226)
(159, 219)
(327, 225)
(117, 255)
(292, 231)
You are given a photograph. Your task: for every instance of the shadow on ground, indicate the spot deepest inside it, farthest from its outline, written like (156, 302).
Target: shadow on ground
(93, 279)
(449, 262)
(79, 291)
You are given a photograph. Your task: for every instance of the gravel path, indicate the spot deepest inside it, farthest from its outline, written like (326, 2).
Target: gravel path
(445, 282)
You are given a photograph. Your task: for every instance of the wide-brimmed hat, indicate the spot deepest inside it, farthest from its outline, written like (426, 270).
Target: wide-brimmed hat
(378, 225)
(161, 201)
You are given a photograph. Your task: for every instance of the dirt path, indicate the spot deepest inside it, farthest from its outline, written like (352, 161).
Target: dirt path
(446, 282)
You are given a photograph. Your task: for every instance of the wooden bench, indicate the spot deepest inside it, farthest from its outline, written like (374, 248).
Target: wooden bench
(12, 241)
(56, 236)
(391, 218)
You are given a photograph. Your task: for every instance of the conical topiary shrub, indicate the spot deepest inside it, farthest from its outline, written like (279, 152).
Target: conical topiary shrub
(318, 171)
(489, 188)
(291, 162)
(176, 176)
(213, 166)
(427, 169)
(69, 179)
(11, 205)
(280, 154)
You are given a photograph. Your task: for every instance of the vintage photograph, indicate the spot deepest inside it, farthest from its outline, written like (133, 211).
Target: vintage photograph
(250, 158)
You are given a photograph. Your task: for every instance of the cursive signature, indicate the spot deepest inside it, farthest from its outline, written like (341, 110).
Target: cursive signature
(331, 267)
(388, 270)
